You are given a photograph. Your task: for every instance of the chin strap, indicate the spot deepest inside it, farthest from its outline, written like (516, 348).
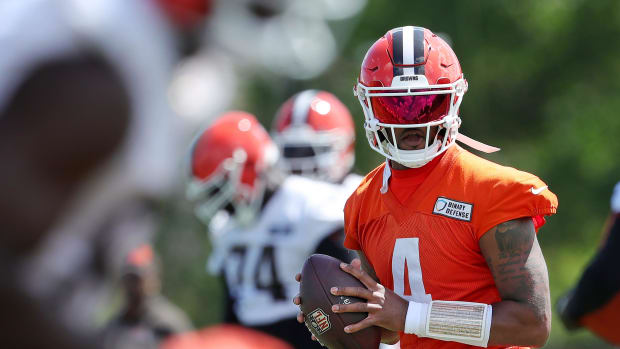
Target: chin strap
(475, 144)
(387, 173)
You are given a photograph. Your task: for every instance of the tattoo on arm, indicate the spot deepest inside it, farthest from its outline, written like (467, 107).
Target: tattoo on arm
(512, 240)
(517, 264)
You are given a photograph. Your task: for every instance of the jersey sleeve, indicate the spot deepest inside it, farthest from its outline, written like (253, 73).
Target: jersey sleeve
(516, 196)
(356, 209)
(351, 239)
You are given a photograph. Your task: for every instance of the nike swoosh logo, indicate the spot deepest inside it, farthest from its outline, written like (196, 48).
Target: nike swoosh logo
(537, 191)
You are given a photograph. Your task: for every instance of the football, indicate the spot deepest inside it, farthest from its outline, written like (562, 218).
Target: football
(319, 274)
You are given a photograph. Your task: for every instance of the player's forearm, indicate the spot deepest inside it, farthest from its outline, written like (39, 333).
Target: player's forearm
(515, 259)
(516, 323)
(507, 323)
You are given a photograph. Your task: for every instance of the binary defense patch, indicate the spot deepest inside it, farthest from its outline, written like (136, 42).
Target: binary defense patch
(453, 209)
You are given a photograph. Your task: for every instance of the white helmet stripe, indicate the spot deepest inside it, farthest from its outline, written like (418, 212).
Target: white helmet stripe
(301, 107)
(408, 50)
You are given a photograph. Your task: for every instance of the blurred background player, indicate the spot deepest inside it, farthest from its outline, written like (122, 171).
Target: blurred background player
(316, 137)
(147, 317)
(595, 302)
(262, 227)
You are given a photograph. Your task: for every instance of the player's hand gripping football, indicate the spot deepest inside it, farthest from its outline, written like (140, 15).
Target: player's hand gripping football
(297, 301)
(384, 307)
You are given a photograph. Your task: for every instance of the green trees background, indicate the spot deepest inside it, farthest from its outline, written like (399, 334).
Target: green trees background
(544, 79)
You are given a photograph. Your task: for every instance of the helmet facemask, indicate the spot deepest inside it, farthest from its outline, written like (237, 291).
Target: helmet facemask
(411, 104)
(315, 154)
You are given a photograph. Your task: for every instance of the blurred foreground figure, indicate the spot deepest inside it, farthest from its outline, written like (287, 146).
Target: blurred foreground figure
(262, 227)
(595, 302)
(47, 275)
(147, 317)
(88, 143)
(225, 337)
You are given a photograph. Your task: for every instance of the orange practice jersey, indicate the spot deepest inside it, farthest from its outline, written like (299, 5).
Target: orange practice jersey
(427, 248)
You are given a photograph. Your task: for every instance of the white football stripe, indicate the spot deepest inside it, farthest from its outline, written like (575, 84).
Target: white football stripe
(301, 107)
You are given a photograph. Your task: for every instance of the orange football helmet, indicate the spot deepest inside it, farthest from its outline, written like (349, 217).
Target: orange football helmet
(232, 163)
(316, 136)
(411, 78)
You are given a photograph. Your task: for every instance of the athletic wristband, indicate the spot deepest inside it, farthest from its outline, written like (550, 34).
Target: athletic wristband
(463, 322)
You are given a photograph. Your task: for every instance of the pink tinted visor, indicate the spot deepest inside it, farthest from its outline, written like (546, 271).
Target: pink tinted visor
(410, 109)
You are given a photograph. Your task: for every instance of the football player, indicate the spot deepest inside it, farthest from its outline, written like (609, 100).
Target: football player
(262, 227)
(316, 137)
(595, 302)
(446, 240)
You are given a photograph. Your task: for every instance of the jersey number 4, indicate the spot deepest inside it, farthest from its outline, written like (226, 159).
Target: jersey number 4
(406, 256)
